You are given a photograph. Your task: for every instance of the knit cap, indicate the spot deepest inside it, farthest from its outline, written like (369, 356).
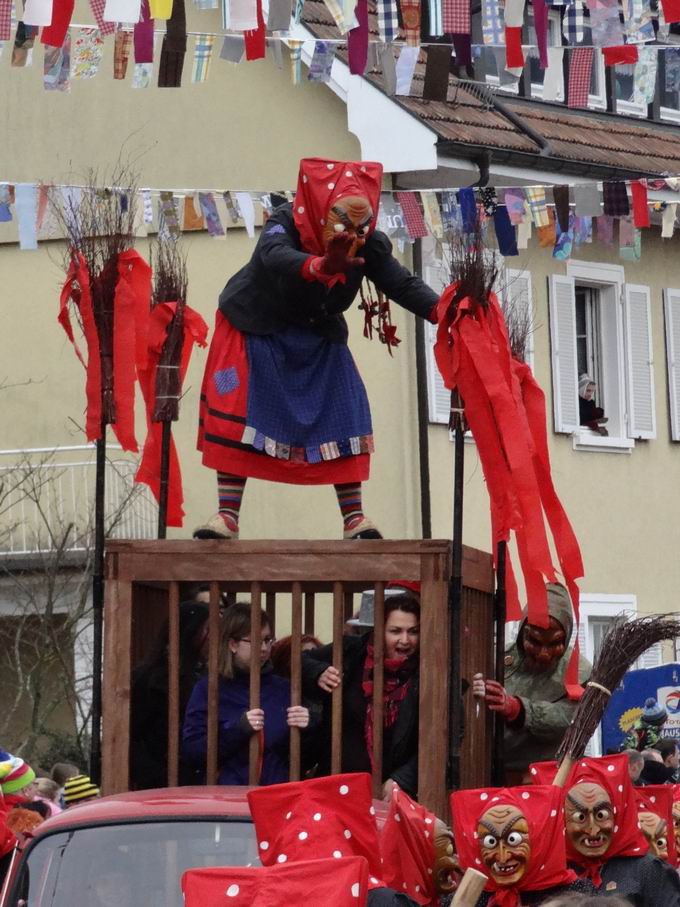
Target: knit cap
(653, 713)
(79, 788)
(15, 775)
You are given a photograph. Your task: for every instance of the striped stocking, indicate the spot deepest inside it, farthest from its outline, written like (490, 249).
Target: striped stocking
(349, 499)
(230, 494)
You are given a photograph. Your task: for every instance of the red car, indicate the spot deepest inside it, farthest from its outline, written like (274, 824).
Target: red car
(131, 849)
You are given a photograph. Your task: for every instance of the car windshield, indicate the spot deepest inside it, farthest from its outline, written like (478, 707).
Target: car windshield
(126, 865)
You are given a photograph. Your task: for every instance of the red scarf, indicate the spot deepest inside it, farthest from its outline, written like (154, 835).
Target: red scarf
(398, 675)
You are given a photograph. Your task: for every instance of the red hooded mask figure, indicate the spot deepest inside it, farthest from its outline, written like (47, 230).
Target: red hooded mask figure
(330, 817)
(599, 807)
(322, 186)
(655, 815)
(407, 847)
(515, 836)
(314, 883)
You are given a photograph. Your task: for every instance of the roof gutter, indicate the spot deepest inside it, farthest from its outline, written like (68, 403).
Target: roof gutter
(490, 97)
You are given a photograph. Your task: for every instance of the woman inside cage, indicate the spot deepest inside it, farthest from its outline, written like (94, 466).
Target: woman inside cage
(400, 693)
(237, 722)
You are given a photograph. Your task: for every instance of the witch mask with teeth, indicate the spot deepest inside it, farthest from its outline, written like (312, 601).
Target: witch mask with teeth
(515, 837)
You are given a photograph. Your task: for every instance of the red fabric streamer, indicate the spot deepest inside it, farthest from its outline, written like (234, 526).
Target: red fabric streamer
(623, 53)
(407, 848)
(505, 409)
(77, 289)
(255, 39)
(638, 190)
(195, 331)
(514, 55)
(671, 11)
(55, 33)
(658, 800)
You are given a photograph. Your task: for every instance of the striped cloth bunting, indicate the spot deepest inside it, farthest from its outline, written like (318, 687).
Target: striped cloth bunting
(338, 13)
(388, 21)
(436, 18)
(97, 7)
(580, 70)
(203, 52)
(295, 48)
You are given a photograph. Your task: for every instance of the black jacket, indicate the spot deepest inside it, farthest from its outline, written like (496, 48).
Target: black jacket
(534, 898)
(269, 294)
(644, 881)
(400, 744)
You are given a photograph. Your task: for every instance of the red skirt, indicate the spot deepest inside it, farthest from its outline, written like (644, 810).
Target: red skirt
(222, 420)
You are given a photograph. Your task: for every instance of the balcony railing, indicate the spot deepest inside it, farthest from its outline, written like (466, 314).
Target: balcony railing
(47, 500)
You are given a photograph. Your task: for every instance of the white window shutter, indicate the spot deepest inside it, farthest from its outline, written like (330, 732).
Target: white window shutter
(672, 311)
(438, 397)
(640, 371)
(564, 361)
(651, 658)
(517, 293)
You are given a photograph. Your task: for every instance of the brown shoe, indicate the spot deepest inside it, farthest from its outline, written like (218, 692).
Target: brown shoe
(364, 529)
(215, 528)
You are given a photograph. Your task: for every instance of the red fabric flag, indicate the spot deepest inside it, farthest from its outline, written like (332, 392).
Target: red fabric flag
(657, 799)
(407, 848)
(255, 39)
(671, 11)
(638, 190)
(195, 331)
(514, 55)
(415, 222)
(580, 70)
(54, 34)
(624, 53)
(77, 289)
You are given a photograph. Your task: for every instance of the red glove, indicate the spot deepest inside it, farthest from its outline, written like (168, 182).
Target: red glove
(499, 700)
(332, 267)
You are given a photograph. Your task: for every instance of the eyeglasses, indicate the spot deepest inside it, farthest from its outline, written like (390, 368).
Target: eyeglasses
(266, 640)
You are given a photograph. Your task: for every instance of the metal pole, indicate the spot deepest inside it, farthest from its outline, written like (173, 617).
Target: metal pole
(498, 771)
(456, 591)
(423, 416)
(165, 480)
(98, 606)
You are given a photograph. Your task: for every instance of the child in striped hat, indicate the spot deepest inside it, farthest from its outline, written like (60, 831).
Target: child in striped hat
(16, 780)
(78, 790)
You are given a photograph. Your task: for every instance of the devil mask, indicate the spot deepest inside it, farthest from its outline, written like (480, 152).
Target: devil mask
(503, 833)
(543, 647)
(336, 197)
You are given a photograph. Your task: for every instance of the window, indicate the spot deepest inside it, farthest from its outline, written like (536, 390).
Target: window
(601, 325)
(624, 91)
(672, 314)
(669, 84)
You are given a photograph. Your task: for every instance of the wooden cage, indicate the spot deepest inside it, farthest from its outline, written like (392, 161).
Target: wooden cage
(145, 581)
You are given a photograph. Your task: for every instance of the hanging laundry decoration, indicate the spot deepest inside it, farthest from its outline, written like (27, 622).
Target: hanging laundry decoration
(57, 67)
(121, 54)
(413, 216)
(88, 49)
(174, 48)
(405, 68)
(580, 72)
(55, 33)
(203, 51)
(322, 62)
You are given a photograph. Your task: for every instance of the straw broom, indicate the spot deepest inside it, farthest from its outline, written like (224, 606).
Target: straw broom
(624, 643)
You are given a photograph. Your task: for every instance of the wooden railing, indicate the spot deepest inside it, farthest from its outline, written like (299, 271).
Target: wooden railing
(300, 582)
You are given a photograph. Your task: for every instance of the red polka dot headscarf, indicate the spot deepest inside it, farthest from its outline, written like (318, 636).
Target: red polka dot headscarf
(342, 883)
(320, 184)
(611, 773)
(542, 808)
(323, 818)
(408, 849)
(658, 800)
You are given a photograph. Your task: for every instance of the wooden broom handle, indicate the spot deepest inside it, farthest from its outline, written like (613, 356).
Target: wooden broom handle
(470, 888)
(563, 771)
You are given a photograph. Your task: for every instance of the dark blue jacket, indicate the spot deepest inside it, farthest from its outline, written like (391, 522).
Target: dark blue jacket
(234, 732)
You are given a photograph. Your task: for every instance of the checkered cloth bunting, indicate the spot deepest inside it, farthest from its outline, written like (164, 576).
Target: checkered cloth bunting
(203, 51)
(388, 21)
(97, 7)
(580, 69)
(5, 19)
(615, 196)
(572, 25)
(535, 196)
(415, 222)
(121, 53)
(456, 16)
(493, 27)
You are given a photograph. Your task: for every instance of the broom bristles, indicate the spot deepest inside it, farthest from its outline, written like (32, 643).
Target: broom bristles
(624, 643)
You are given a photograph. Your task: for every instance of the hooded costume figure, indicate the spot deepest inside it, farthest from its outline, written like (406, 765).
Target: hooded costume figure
(534, 701)
(655, 816)
(604, 841)
(282, 399)
(322, 818)
(515, 837)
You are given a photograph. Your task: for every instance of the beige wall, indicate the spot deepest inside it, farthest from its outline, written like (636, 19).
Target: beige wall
(625, 509)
